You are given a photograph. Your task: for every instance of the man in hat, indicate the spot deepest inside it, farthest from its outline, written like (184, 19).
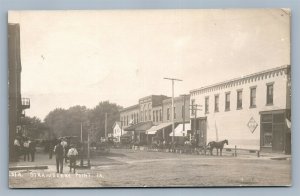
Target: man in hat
(72, 155)
(59, 153)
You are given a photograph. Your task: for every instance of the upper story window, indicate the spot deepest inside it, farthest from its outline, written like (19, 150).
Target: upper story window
(160, 115)
(253, 97)
(216, 103)
(193, 104)
(270, 90)
(206, 105)
(227, 101)
(168, 113)
(239, 104)
(156, 114)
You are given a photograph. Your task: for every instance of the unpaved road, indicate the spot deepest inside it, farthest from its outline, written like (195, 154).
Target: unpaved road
(127, 168)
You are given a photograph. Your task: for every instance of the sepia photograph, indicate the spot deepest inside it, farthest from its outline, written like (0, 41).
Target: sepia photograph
(149, 98)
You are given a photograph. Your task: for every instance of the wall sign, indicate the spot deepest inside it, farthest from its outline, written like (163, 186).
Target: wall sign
(252, 124)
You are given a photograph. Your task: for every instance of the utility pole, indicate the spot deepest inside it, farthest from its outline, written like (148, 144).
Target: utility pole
(183, 116)
(81, 132)
(105, 126)
(172, 111)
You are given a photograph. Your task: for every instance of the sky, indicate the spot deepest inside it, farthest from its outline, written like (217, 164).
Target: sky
(83, 57)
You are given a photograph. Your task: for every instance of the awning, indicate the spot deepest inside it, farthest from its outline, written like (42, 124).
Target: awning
(156, 128)
(143, 126)
(152, 130)
(179, 129)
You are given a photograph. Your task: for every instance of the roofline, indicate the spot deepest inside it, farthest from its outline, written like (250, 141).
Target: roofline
(130, 107)
(240, 78)
(180, 98)
(150, 96)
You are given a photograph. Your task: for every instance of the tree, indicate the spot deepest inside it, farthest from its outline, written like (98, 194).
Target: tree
(68, 122)
(97, 117)
(34, 128)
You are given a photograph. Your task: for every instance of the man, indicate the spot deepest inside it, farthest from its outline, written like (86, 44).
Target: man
(59, 154)
(26, 149)
(72, 155)
(17, 149)
(32, 149)
(65, 146)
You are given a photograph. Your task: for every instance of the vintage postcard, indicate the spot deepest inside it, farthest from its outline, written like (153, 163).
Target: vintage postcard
(149, 98)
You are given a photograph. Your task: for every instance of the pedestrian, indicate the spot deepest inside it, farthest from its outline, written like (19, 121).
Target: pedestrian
(17, 149)
(59, 154)
(64, 144)
(72, 155)
(26, 149)
(32, 146)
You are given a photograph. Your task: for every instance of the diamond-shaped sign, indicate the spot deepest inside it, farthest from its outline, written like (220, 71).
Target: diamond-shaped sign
(252, 124)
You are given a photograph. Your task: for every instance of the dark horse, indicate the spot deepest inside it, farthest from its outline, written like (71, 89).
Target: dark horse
(217, 145)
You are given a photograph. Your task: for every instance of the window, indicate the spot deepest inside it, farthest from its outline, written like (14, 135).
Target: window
(160, 115)
(137, 117)
(174, 109)
(206, 105)
(126, 120)
(156, 115)
(253, 97)
(168, 113)
(145, 115)
(216, 103)
(193, 103)
(149, 114)
(239, 99)
(227, 101)
(269, 94)
(182, 112)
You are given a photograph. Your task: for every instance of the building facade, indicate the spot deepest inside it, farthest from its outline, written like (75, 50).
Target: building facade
(117, 131)
(251, 111)
(16, 104)
(129, 116)
(181, 109)
(148, 105)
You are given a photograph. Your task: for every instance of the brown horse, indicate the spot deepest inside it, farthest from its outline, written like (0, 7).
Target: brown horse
(218, 145)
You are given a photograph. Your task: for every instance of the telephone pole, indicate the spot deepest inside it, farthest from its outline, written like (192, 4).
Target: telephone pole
(105, 126)
(172, 111)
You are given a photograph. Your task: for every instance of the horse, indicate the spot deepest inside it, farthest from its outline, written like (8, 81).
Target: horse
(217, 145)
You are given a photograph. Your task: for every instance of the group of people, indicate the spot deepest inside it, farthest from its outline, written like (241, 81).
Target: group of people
(64, 151)
(26, 147)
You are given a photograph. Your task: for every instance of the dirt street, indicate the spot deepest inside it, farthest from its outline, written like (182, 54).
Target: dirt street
(128, 168)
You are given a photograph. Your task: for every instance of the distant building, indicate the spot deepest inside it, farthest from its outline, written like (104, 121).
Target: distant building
(117, 130)
(129, 116)
(148, 105)
(252, 112)
(181, 116)
(16, 104)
